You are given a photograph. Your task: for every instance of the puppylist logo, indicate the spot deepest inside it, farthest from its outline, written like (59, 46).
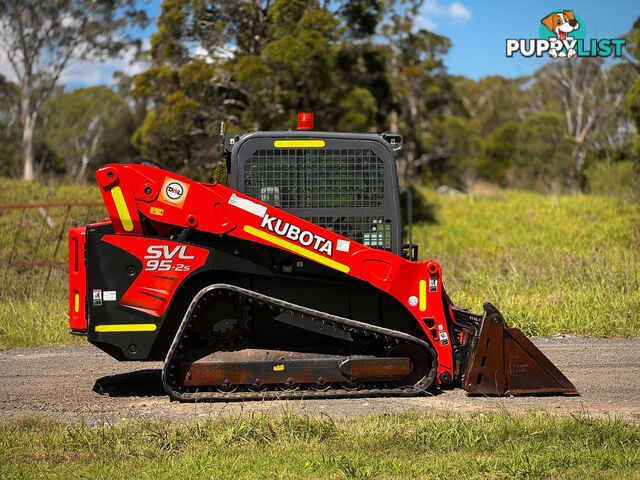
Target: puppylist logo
(562, 35)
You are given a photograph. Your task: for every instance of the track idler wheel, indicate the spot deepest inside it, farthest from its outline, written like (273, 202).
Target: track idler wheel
(351, 386)
(289, 386)
(320, 386)
(226, 388)
(221, 320)
(422, 366)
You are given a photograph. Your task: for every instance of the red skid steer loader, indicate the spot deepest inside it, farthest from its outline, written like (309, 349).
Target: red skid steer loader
(291, 281)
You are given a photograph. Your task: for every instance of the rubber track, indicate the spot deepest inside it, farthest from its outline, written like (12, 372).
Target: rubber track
(176, 393)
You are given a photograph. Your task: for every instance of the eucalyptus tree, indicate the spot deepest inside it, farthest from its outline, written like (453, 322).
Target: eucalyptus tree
(40, 38)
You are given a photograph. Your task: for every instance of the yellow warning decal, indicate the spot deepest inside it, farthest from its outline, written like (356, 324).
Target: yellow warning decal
(423, 295)
(299, 144)
(292, 247)
(121, 207)
(127, 327)
(156, 211)
(278, 368)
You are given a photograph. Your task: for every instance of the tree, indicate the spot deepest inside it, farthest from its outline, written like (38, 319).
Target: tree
(463, 143)
(632, 47)
(41, 38)
(9, 131)
(496, 153)
(542, 159)
(81, 124)
(491, 101)
(289, 64)
(420, 89)
(487, 113)
(188, 93)
(259, 62)
(633, 107)
(589, 95)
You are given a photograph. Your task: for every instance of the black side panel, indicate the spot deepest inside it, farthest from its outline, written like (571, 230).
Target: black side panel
(109, 269)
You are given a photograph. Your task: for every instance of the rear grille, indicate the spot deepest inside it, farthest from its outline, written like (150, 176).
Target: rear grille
(315, 178)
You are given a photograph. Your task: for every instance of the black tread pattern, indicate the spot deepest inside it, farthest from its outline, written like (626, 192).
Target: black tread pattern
(180, 393)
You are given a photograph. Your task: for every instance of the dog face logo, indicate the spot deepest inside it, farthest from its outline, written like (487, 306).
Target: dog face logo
(561, 24)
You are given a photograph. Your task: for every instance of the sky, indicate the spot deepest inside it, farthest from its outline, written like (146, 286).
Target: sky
(478, 30)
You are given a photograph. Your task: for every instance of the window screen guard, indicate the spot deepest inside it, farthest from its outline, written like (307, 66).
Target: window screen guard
(315, 178)
(338, 188)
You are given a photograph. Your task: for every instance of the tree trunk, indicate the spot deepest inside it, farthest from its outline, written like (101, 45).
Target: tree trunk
(29, 120)
(83, 169)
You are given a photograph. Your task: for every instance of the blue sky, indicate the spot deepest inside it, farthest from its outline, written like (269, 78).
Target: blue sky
(479, 40)
(478, 30)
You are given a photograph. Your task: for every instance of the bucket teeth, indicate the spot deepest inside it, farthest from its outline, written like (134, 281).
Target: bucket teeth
(503, 361)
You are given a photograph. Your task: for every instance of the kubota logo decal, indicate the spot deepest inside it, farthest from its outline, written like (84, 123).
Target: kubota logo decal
(296, 234)
(174, 192)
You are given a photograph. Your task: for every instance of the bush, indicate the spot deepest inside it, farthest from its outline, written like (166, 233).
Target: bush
(619, 180)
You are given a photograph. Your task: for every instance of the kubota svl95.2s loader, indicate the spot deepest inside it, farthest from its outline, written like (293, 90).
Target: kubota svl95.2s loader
(291, 281)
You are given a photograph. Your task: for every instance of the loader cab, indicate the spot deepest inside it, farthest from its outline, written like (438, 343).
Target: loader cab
(343, 182)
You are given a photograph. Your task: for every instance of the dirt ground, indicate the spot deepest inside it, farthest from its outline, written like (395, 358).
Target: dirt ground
(82, 383)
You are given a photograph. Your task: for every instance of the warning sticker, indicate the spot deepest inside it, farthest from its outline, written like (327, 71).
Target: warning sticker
(343, 245)
(247, 205)
(156, 211)
(444, 339)
(97, 298)
(109, 295)
(433, 284)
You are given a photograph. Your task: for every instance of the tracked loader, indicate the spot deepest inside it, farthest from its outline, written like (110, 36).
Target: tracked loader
(290, 281)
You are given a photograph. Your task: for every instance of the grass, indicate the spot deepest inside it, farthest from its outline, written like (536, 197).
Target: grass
(296, 445)
(567, 265)
(14, 192)
(33, 300)
(26, 323)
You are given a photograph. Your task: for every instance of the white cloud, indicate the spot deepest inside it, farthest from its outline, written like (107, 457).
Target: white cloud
(459, 12)
(224, 52)
(432, 6)
(80, 73)
(432, 9)
(88, 73)
(426, 23)
(5, 67)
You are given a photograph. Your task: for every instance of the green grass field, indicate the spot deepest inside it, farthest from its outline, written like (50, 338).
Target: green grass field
(295, 445)
(33, 301)
(551, 265)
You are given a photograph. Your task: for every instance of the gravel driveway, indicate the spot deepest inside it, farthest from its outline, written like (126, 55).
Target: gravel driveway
(74, 383)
